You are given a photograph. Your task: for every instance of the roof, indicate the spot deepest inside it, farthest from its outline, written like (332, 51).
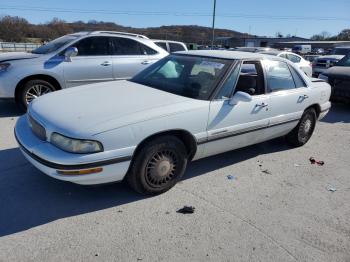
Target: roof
(110, 33)
(225, 54)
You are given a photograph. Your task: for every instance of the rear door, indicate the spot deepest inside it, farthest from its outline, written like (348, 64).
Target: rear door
(234, 126)
(289, 95)
(130, 57)
(92, 64)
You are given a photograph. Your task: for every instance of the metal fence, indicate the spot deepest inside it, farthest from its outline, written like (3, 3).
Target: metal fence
(17, 47)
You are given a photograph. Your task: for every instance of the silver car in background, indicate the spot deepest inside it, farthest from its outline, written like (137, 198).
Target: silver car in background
(171, 46)
(73, 60)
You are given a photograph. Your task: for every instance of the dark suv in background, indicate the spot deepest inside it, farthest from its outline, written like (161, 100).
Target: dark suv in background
(338, 77)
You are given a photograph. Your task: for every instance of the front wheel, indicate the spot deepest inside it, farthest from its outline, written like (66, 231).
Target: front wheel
(304, 130)
(158, 166)
(33, 89)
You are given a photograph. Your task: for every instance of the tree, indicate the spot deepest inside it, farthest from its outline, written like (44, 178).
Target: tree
(344, 35)
(13, 28)
(324, 35)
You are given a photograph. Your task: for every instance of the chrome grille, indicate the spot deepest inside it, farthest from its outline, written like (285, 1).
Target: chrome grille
(38, 130)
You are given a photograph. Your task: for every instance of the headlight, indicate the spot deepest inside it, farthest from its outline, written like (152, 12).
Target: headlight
(75, 145)
(4, 66)
(323, 77)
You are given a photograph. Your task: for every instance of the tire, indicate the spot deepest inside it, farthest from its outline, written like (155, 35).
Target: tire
(158, 166)
(31, 90)
(304, 130)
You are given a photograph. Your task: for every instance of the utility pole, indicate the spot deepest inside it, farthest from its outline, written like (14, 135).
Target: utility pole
(213, 27)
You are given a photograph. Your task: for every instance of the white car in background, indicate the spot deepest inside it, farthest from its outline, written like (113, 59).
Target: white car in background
(304, 65)
(187, 106)
(73, 60)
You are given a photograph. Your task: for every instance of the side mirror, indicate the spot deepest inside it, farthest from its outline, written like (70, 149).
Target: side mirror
(240, 97)
(69, 53)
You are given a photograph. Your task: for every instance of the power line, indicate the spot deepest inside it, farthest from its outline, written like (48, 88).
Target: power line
(167, 13)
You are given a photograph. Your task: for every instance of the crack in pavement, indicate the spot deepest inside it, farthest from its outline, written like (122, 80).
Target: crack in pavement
(245, 221)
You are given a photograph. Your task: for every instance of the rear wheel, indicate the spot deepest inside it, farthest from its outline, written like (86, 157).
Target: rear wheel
(304, 130)
(158, 166)
(33, 89)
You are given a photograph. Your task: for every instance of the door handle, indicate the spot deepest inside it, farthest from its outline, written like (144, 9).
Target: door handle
(106, 63)
(262, 105)
(146, 62)
(304, 96)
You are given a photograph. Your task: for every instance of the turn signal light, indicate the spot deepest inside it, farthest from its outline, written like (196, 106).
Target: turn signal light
(80, 172)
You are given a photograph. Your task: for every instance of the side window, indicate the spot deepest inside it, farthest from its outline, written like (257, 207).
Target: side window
(278, 76)
(227, 87)
(175, 47)
(251, 78)
(93, 46)
(298, 80)
(293, 58)
(147, 50)
(125, 46)
(162, 45)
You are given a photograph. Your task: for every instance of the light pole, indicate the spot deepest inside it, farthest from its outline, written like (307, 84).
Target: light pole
(213, 27)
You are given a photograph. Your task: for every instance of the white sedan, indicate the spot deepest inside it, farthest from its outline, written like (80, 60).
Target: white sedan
(187, 106)
(303, 64)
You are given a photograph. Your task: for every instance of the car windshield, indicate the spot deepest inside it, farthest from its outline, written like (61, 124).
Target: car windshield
(54, 44)
(341, 51)
(189, 76)
(344, 62)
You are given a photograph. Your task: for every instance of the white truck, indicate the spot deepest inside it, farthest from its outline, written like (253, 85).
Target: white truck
(302, 49)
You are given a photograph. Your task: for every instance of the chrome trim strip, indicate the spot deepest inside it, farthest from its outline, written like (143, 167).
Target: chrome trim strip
(243, 131)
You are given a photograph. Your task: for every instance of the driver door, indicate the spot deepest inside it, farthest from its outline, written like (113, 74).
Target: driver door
(233, 126)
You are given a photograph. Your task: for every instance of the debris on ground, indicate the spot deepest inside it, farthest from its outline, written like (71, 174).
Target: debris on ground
(331, 188)
(266, 171)
(297, 165)
(186, 210)
(314, 161)
(230, 177)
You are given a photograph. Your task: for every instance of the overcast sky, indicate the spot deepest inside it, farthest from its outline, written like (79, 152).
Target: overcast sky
(300, 17)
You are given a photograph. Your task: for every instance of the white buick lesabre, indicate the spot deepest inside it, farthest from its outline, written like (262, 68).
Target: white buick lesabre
(186, 106)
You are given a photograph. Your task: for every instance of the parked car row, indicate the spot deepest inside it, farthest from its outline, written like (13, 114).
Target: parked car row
(322, 63)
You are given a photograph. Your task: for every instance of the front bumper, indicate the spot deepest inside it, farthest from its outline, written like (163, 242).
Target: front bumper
(49, 159)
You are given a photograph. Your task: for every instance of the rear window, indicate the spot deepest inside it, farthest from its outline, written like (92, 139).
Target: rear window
(174, 47)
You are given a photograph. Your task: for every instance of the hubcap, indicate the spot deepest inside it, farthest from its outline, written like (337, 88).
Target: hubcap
(307, 126)
(161, 168)
(35, 91)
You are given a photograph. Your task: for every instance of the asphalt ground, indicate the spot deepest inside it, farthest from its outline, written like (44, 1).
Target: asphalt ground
(276, 206)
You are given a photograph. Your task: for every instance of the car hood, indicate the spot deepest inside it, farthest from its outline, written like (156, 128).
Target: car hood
(338, 72)
(97, 108)
(10, 56)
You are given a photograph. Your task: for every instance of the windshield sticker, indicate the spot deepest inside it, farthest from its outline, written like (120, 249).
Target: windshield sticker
(212, 64)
